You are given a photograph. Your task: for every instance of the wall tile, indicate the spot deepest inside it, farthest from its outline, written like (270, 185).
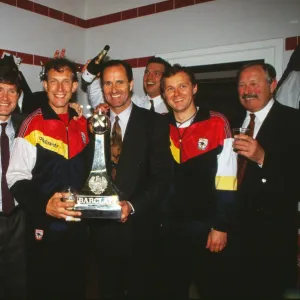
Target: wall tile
(182, 3)
(25, 4)
(8, 51)
(26, 58)
(102, 20)
(96, 21)
(291, 43)
(129, 14)
(133, 62)
(81, 22)
(69, 19)
(41, 9)
(55, 14)
(10, 2)
(164, 6)
(146, 10)
(112, 18)
(142, 61)
(37, 59)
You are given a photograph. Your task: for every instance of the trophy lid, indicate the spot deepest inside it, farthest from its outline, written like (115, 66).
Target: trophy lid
(99, 123)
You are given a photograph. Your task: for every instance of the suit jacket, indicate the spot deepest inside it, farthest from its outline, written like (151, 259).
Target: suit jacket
(143, 173)
(17, 121)
(268, 195)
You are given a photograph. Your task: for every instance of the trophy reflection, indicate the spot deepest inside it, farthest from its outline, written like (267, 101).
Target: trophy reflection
(98, 198)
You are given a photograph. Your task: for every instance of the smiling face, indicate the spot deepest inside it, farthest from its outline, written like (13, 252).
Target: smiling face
(8, 100)
(116, 88)
(152, 76)
(254, 89)
(60, 87)
(179, 94)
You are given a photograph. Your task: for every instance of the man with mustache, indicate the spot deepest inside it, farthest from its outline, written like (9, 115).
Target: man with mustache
(155, 68)
(267, 187)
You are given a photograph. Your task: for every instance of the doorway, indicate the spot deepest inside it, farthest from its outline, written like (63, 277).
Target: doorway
(217, 89)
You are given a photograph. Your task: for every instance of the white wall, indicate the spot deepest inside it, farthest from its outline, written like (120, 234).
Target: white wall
(27, 32)
(96, 8)
(72, 7)
(206, 25)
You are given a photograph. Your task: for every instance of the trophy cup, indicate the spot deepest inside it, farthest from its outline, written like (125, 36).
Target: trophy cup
(98, 198)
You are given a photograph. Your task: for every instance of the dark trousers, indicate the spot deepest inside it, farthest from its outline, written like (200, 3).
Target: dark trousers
(57, 261)
(187, 260)
(12, 256)
(123, 257)
(269, 263)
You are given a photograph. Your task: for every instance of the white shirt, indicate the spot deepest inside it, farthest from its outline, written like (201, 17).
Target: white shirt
(159, 104)
(259, 117)
(123, 119)
(95, 97)
(11, 136)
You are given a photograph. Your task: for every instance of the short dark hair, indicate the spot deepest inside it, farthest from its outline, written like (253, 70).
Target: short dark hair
(10, 75)
(173, 70)
(268, 69)
(58, 64)
(158, 60)
(114, 63)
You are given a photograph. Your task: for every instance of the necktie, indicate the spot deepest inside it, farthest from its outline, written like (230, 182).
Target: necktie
(152, 106)
(242, 160)
(7, 199)
(115, 146)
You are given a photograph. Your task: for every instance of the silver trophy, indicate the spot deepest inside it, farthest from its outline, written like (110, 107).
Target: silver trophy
(98, 198)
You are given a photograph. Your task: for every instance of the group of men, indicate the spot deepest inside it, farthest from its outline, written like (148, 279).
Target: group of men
(224, 200)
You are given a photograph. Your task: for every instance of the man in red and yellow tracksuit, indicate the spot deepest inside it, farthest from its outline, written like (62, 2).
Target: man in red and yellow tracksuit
(201, 207)
(48, 156)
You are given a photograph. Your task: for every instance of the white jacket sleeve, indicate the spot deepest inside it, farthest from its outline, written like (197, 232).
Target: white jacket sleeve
(94, 92)
(22, 161)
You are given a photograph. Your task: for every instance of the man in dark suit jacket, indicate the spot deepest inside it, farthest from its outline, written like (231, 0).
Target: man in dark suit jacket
(268, 191)
(141, 173)
(12, 221)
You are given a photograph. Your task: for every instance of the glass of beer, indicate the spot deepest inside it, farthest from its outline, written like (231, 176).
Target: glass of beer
(69, 195)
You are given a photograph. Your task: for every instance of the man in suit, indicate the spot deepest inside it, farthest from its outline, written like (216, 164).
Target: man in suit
(141, 172)
(268, 188)
(12, 221)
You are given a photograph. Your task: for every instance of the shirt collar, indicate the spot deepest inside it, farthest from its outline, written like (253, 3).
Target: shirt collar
(261, 114)
(123, 116)
(156, 100)
(9, 123)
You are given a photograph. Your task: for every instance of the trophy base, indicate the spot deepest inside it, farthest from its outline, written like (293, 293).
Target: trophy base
(98, 207)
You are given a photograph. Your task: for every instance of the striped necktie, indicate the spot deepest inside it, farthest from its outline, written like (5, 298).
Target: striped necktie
(115, 146)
